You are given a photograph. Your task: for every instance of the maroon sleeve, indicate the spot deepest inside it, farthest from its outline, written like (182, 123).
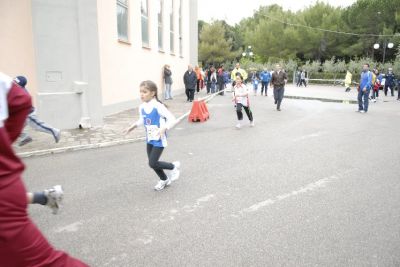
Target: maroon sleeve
(19, 106)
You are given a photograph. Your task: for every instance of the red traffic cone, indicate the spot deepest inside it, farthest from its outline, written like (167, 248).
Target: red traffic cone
(199, 112)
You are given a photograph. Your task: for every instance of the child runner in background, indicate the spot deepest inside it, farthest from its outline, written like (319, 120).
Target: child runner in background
(255, 81)
(157, 119)
(241, 99)
(34, 122)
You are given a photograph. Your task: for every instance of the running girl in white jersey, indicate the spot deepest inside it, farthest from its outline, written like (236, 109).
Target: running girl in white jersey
(241, 99)
(157, 119)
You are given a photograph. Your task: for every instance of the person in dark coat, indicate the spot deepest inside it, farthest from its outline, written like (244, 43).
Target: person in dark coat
(190, 81)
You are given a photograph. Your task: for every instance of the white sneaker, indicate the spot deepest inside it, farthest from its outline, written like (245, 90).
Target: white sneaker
(362, 111)
(161, 184)
(54, 197)
(175, 172)
(252, 124)
(238, 125)
(57, 135)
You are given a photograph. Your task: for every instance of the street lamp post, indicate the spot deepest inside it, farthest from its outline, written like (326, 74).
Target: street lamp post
(385, 45)
(248, 52)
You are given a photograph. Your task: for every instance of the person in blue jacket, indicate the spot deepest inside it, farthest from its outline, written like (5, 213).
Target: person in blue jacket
(364, 89)
(265, 77)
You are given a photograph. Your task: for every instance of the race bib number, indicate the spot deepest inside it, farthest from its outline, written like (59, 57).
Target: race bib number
(153, 133)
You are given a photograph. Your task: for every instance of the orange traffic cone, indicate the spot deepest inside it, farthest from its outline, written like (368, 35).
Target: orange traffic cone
(199, 112)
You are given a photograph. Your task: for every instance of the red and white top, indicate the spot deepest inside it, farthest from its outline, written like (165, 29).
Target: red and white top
(241, 95)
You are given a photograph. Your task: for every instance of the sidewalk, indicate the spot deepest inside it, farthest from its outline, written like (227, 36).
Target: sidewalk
(322, 92)
(111, 132)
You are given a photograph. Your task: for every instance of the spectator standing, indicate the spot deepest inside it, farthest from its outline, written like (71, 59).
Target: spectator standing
(167, 74)
(190, 81)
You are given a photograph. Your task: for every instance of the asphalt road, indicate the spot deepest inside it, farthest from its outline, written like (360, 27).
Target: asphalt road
(316, 184)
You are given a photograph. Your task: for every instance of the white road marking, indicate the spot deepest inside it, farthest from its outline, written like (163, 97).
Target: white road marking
(305, 189)
(204, 199)
(167, 216)
(73, 227)
(313, 135)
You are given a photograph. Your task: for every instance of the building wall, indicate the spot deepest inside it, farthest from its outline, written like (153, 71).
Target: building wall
(124, 65)
(17, 56)
(66, 46)
(194, 33)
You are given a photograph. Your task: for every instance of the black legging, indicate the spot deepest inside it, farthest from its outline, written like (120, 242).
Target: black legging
(198, 85)
(154, 154)
(240, 113)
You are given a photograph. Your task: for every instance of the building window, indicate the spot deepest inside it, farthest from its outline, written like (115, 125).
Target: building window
(171, 27)
(122, 20)
(180, 28)
(145, 23)
(160, 16)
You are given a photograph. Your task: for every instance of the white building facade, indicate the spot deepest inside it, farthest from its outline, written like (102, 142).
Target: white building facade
(85, 59)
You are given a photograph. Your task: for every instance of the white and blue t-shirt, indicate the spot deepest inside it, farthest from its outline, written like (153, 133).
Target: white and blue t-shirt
(154, 116)
(5, 85)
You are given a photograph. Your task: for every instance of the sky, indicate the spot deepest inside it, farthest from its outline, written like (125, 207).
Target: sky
(232, 11)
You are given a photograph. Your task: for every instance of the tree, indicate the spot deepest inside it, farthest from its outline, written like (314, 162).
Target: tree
(213, 47)
(354, 67)
(276, 34)
(312, 67)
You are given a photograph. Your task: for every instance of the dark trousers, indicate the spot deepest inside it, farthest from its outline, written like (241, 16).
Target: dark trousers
(391, 89)
(208, 85)
(154, 154)
(398, 92)
(363, 100)
(189, 94)
(303, 81)
(264, 85)
(221, 86)
(278, 96)
(240, 113)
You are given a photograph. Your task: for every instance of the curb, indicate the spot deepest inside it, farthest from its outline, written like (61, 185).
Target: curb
(322, 99)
